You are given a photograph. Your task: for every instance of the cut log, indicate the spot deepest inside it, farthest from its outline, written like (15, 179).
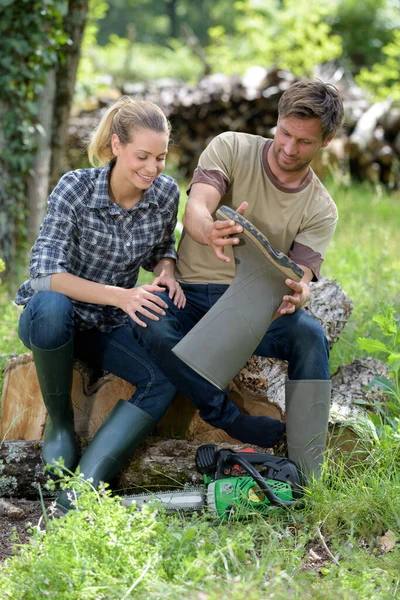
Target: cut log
(258, 389)
(168, 464)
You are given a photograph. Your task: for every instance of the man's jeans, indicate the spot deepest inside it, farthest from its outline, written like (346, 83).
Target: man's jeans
(297, 338)
(47, 322)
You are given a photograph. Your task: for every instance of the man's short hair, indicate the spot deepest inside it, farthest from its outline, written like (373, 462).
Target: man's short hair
(307, 99)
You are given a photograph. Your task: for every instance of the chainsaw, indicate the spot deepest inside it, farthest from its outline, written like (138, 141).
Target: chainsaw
(232, 485)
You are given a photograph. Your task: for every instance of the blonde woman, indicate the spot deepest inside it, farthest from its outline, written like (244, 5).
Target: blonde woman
(101, 226)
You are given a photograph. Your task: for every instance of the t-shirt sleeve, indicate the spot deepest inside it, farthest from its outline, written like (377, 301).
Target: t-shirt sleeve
(317, 230)
(215, 164)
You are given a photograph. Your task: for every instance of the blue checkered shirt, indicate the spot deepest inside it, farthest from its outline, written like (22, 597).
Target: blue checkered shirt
(86, 234)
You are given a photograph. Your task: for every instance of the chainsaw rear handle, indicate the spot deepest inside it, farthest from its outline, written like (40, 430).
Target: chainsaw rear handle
(235, 458)
(218, 464)
(208, 458)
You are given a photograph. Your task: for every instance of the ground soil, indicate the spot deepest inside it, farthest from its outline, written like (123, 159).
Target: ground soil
(17, 519)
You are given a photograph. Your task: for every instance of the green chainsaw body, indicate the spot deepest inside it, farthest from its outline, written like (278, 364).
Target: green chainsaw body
(240, 496)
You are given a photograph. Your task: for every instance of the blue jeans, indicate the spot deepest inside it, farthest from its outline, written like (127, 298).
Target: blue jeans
(47, 322)
(297, 338)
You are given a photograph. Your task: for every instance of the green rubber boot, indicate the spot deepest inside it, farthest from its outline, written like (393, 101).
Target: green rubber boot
(123, 430)
(224, 339)
(307, 415)
(54, 372)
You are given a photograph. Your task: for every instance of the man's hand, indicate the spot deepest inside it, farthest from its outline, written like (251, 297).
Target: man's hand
(142, 300)
(301, 295)
(175, 291)
(220, 234)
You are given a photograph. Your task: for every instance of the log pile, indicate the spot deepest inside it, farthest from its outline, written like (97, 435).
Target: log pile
(367, 148)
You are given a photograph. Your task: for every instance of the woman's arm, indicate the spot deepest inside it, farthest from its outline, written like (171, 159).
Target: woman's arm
(140, 299)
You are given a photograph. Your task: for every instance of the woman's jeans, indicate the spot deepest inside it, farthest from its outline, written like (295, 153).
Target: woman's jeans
(47, 322)
(297, 338)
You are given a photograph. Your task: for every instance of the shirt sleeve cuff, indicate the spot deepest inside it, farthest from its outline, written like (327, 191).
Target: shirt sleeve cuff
(211, 177)
(41, 284)
(306, 256)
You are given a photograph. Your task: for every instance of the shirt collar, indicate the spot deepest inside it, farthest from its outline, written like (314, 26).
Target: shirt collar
(101, 199)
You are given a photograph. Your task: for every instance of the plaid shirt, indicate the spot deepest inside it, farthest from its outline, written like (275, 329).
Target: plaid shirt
(86, 234)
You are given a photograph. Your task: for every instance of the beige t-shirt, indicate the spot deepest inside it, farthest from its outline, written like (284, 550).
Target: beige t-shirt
(299, 222)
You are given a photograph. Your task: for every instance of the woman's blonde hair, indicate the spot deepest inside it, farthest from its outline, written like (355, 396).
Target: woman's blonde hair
(123, 118)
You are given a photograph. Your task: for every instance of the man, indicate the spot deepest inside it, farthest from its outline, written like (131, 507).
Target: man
(285, 200)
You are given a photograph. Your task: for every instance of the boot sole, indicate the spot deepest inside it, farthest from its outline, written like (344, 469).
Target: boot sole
(280, 260)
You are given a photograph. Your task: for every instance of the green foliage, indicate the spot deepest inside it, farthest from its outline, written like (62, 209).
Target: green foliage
(145, 39)
(294, 37)
(364, 27)
(387, 411)
(31, 36)
(120, 61)
(382, 81)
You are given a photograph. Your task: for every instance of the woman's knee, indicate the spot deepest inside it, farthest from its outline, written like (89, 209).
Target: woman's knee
(47, 322)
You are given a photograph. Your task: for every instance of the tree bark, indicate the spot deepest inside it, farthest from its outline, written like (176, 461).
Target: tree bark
(38, 185)
(74, 25)
(7, 222)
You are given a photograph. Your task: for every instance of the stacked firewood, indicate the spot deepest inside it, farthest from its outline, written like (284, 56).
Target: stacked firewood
(368, 147)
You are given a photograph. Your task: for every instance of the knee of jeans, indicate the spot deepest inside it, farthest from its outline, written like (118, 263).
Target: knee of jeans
(51, 320)
(312, 335)
(159, 333)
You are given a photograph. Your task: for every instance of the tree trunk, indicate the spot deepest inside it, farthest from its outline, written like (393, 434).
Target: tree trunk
(7, 222)
(74, 25)
(38, 185)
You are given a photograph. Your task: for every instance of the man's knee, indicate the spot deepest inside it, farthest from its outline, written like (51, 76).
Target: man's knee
(310, 334)
(160, 334)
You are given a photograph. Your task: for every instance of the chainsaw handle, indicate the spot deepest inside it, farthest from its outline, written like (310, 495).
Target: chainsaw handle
(238, 458)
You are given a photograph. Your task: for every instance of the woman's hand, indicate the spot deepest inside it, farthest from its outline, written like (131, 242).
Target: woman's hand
(142, 300)
(175, 291)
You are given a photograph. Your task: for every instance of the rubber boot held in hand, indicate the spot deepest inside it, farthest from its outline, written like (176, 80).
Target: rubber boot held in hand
(307, 416)
(123, 430)
(54, 372)
(224, 339)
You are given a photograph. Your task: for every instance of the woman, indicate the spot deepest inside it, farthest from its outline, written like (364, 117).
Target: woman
(101, 226)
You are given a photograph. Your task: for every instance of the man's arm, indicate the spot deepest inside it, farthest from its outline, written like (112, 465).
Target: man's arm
(203, 201)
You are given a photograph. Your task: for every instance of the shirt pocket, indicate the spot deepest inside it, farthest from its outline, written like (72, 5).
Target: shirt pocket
(99, 244)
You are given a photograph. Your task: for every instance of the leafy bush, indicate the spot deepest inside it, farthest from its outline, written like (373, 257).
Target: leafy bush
(382, 80)
(387, 411)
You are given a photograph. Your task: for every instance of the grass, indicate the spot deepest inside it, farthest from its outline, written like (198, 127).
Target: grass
(364, 257)
(331, 549)
(104, 550)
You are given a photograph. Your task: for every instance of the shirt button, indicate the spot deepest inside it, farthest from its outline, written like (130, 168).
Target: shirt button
(128, 244)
